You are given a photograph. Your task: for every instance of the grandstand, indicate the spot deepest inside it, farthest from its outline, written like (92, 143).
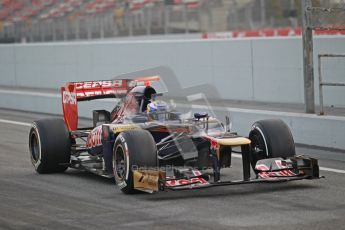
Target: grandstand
(60, 20)
(44, 20)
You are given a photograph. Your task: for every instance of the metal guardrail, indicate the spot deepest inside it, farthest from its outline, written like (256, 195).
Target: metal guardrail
(322, 83)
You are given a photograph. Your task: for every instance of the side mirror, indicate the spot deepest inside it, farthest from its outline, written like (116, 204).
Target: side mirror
(102, 116)
(175, 116)
(200, 115)
(140, 119)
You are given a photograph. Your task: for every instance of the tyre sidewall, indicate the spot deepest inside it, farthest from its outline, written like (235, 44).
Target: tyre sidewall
(139, 151)
(126, 182)
(258, 129)
(36, 163)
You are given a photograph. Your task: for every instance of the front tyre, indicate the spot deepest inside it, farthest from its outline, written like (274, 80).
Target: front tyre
(270, 138)
(133, 148)
(49, 146)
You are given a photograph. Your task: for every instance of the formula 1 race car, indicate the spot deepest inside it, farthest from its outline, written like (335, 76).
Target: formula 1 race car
(147, 145)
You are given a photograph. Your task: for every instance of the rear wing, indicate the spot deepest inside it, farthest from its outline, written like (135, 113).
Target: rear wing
(73, 92)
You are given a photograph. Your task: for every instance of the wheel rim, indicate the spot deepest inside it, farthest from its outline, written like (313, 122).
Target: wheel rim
(258, 148)
(34, 147)
(119, 163)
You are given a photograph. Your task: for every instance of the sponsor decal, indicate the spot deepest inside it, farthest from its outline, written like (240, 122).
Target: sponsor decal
(69, 97)
(93, 93)
(196, 173)
(281, 164)
(118, 83)
(95, 138)
(121, 128)
(122, 139)
(122, 184)
(94, 88)
(193, 182)
(146, 180)
(263, 168)
(119, 91)
(266, 174)
(96, 84)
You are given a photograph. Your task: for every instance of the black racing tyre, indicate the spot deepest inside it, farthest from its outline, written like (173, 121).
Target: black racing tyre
(132, 148)
(270, 138)
(49, 146)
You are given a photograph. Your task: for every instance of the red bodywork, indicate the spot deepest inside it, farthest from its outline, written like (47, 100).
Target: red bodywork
(89, 90)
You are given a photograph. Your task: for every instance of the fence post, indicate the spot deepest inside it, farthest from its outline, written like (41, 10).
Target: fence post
(320, 86)
(65, 36)
(88, 25)
(308, 66)
(263, 12)
(101, 28)
(77, 28)
(166, 18)
(148, 11)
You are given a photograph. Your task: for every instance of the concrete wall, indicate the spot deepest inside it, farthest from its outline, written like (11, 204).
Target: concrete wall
(262, 69)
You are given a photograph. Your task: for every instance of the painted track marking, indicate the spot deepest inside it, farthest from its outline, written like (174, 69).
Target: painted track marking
(15, 122)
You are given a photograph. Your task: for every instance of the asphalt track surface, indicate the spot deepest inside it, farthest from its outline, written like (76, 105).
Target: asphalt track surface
(81, 200)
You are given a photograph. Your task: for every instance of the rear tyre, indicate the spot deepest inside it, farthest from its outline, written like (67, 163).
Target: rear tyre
(49, 146)
(270, 139)
(133, 148)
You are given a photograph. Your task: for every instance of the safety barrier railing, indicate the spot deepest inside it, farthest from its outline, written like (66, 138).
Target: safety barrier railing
(324, 83)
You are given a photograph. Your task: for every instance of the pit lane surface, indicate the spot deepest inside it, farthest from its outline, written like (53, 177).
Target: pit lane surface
(81, 200)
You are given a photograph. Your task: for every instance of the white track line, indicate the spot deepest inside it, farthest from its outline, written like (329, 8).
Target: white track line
(332, 170)
(235, 155)
(15, 122)
(30, 93)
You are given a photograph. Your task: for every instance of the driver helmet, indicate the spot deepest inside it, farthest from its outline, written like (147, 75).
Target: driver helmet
(157, 109)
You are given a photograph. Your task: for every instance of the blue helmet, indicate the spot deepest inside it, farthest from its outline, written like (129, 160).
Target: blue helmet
(157, 110)
(157, 106)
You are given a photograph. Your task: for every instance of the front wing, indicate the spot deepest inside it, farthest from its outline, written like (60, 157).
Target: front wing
(274, 170)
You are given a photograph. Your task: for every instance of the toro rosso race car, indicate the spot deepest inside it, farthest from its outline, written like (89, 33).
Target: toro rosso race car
(146, 145)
